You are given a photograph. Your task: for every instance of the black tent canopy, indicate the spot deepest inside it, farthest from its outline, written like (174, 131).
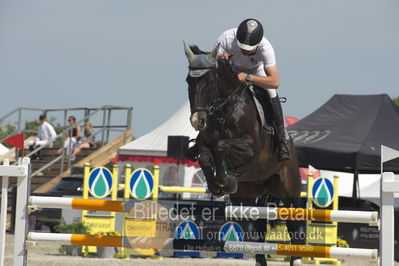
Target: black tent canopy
(346, 133)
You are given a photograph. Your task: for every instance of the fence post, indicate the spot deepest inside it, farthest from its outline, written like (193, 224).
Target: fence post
(3, 222)
(21, 214)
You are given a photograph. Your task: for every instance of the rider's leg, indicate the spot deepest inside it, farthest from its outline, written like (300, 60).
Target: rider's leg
(278, 118)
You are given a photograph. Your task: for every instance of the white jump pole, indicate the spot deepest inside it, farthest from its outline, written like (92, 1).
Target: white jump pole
(204, 245)
(3, 222)
(273, 213)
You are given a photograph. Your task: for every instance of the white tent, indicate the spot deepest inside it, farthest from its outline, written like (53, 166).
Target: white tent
(155, 143)
(3, 149)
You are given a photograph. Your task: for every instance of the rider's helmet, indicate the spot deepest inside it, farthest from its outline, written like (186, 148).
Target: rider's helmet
(249, 34)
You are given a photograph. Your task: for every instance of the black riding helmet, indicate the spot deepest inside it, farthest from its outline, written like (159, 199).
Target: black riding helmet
(249, 34)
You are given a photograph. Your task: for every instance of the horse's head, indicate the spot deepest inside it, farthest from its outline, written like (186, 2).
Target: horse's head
(202, 84)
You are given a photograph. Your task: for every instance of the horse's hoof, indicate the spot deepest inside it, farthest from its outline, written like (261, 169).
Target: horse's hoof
(231, 185)
(297, 262)
(217, 193)
(215, 190)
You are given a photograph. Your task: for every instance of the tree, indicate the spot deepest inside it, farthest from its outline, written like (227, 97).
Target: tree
(396, 100)
(6, 130)
(29, 130)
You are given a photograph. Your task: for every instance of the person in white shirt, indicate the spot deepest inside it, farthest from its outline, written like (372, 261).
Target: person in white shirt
(253, 59)
(46, 136)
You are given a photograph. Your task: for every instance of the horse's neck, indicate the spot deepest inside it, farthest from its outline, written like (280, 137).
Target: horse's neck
(227, 81)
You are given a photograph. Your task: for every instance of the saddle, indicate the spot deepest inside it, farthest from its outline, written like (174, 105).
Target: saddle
(264, 110)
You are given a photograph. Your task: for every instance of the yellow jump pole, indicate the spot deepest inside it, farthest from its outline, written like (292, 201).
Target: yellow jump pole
(177, 189)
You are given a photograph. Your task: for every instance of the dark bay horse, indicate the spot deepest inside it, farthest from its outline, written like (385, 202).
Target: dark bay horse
(234, 158)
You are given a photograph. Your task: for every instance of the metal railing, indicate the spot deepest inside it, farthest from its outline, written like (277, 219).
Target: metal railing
(104, 127)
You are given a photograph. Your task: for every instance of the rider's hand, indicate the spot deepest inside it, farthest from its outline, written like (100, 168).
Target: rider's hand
(242, 76)
(225, 57)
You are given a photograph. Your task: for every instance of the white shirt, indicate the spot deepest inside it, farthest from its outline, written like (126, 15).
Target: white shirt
(46, 132)
(253, 64)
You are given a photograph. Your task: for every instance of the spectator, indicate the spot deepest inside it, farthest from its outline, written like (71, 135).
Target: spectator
(72, 136)
(88, 140)
(45, 136)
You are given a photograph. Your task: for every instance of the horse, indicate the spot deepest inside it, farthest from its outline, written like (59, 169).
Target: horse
(237, 156)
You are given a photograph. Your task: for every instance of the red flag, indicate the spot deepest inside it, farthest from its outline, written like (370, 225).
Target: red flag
(290, 120)
(16, 141)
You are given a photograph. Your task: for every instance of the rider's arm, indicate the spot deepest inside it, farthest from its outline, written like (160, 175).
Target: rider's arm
(225, 41)
(224, 56)
(271, 81)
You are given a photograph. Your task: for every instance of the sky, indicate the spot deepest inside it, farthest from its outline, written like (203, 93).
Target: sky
(62, 54)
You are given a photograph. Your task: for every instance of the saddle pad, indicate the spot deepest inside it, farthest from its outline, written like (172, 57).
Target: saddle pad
(259, 107)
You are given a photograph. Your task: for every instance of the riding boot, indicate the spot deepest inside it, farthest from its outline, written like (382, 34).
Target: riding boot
(191, 153)
(278, 118)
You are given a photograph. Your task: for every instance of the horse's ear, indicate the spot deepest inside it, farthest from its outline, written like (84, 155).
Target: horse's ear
(213, 56)
(189, 54)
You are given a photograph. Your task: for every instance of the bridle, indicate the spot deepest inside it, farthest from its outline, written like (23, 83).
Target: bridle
(217, 102)
(215, 91)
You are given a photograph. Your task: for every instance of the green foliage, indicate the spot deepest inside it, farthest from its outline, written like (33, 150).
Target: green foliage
(396, 100)
(31, 126)
(5, 130)
(111, 233)
(73, 228)
(31, 129)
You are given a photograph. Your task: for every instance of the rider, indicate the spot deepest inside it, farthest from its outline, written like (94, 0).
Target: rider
(254, 60)
(252, 57)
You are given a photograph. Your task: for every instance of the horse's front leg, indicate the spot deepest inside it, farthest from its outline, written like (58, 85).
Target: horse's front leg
(205, 160)
(227, 182)
(240, 152)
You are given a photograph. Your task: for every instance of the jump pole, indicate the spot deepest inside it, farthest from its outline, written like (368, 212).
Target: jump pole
(206, 245)
(274, 213)
(241, 212)
(177, 189)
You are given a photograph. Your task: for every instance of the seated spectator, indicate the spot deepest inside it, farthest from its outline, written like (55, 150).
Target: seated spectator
(88, 141)
(72, 136)
(46, 136)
